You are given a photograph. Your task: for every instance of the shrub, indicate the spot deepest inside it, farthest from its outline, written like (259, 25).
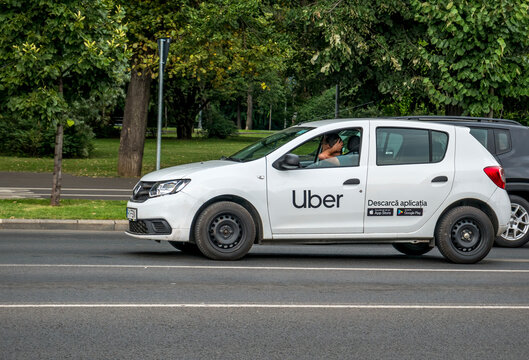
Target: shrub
(26, 139)
(217, 125)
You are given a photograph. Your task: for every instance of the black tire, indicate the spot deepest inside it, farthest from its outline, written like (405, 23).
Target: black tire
(185, 247)
(224, 231)
(464, 235)
(412, 249)
(518, 232)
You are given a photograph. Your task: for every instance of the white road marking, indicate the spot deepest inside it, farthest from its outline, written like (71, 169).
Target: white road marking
(264, 268)
(510, 260)
(276, 306)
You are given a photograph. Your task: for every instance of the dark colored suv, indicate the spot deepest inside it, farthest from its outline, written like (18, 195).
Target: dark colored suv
(508, 141)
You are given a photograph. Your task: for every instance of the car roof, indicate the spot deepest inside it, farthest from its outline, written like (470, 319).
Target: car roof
(398, 121)
(464, 120)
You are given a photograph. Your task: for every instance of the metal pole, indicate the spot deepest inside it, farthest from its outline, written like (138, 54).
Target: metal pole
(160, 106)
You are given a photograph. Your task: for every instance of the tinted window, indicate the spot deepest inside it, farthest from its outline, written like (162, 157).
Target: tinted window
(502, 141)
(410, 146)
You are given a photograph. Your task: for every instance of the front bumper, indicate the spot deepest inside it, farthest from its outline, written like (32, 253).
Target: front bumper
(166, 217)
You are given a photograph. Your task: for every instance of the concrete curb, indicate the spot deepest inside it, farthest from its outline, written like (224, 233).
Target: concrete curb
(48, 224)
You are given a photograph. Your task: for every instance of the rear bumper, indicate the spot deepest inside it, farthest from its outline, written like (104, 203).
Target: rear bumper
(502, 205)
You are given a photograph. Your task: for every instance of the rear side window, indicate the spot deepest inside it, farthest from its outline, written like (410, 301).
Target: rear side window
(399, 146)
(502, 140)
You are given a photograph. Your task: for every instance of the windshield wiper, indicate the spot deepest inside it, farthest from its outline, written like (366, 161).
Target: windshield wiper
(231, 159)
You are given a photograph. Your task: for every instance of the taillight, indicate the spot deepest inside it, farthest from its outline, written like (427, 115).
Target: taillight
(496, 174)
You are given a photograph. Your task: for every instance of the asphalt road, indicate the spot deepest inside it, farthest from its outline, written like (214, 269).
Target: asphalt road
(16, 185)
(98, 295)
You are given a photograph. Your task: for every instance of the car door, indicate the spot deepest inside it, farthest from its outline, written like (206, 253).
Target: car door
(320, 197)
(410, 176)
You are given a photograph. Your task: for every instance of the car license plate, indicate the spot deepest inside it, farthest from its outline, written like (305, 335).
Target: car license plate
(132, 214)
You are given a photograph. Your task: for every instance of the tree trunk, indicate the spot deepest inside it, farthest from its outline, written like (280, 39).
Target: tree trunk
(249, 110)
(239, 114)
(57, 159)
(270, 119)
(132, 137)
(184, 129)
(491, 112)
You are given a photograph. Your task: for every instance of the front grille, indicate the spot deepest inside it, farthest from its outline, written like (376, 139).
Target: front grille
(146, 227)
(141, 191)
(138, 227)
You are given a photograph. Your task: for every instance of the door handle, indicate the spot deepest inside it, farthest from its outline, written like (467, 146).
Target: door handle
(439, 179)
(352, 182)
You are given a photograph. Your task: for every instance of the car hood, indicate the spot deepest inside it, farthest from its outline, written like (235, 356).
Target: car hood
(185, 171)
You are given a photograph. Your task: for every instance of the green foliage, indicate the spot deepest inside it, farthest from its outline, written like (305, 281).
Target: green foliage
(25, 138)
(476, 52)
(318, 107)
(217, 125)
(366, 47)
(59, 59)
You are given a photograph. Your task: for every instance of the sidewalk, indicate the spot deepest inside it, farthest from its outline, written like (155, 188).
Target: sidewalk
(16, 185)
(38, 185)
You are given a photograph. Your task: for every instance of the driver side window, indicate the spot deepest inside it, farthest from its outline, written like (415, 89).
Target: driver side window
(333, 149)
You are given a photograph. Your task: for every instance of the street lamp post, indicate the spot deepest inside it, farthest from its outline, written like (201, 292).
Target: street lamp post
(163, 46)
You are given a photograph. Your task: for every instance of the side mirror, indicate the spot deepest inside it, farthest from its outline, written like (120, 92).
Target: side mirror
(288, 162)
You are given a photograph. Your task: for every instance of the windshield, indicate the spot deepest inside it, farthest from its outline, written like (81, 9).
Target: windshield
(268, 144)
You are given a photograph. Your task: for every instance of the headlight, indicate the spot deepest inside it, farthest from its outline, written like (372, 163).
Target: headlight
(168, 187)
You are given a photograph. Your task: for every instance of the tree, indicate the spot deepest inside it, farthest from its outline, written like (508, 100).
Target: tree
(229, 49)
(368, 48)
(147, 21)
(477, 53)
(57, 54)
(219, 49)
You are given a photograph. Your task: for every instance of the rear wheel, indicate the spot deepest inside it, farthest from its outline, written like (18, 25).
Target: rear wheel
(413, 249)
(224, 231)
(518, 232)
(464, 235)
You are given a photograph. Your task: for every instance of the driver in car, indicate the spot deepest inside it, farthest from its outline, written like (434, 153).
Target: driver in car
(332, 146)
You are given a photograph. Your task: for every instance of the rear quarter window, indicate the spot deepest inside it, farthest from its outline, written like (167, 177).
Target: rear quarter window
(502, 141)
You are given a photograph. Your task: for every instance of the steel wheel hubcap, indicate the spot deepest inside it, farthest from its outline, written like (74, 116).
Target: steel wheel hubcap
(225, 231)
(466, 235)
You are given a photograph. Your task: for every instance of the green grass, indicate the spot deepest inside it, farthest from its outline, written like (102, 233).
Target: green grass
(68, 210)
(103, 162)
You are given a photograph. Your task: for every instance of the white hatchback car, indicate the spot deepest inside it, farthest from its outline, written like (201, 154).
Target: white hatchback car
(412, 184)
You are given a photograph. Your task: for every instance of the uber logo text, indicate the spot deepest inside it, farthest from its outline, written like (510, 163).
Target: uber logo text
(315, 201)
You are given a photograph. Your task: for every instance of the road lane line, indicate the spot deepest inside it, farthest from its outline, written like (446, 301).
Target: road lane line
(266, 268)
(275, 306)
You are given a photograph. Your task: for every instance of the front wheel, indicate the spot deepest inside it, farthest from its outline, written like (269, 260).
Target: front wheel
(464, 235)
(224, 231)
(517, 234)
